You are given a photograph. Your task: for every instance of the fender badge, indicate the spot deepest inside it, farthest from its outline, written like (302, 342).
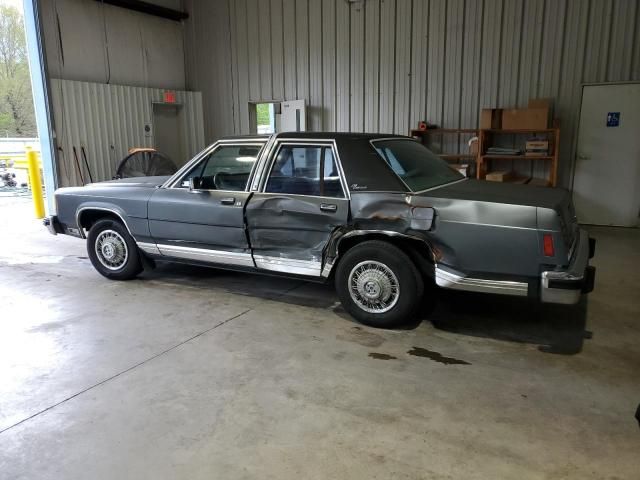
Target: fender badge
(355, 186)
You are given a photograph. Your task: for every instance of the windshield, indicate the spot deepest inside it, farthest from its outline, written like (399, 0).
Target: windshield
(415, 164)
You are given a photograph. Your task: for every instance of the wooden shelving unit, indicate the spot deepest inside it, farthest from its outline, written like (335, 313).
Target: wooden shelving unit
(486, 140)
(456, 158)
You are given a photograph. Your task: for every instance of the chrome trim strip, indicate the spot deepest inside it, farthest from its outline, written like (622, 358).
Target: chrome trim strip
(80, 210)
(390, 233)
(151, 248)
(206, 255)
(499, 226)
(456, 281)
(326, 270)
(261, 164)
(575, 272)
(288, 265)
(441, 186)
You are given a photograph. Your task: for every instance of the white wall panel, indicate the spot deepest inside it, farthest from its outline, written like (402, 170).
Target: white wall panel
(371, 65)
(314, 108)
(90, 41)
(357, 34)
(328, 66)
(387, 66)
(382, 65)
(108, 120)
(343, 66)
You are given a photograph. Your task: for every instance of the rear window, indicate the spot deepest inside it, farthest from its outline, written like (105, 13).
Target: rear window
(415, 164)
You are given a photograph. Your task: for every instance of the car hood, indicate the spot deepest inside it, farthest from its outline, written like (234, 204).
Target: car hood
(506, 193)
(150, 182)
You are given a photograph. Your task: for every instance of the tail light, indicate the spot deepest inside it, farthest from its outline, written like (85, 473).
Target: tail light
(547, 245)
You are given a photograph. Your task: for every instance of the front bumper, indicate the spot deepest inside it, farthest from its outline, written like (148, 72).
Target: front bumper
(566, 286)
(53, 225)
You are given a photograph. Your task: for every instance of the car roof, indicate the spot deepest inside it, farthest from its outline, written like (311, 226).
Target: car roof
(364, 168)
(318, 135)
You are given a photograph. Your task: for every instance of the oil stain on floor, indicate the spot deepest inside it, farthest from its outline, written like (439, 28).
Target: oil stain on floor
(435, 356)
(382, 356)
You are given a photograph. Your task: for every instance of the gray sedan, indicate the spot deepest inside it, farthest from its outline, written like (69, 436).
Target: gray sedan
(381, 216)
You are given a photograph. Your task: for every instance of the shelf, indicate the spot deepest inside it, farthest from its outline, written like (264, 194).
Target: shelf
(516, 157)
(520, 180)
(544, 130)
(420, 133)
(447, 156)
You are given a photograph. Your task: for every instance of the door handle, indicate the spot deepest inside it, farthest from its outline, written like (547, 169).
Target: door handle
(227, 201)
(328, 207)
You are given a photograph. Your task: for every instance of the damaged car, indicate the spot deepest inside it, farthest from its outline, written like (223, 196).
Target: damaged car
(381, 216)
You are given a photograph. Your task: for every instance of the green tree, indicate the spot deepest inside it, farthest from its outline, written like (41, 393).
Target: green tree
(17, 118)
(262, 110)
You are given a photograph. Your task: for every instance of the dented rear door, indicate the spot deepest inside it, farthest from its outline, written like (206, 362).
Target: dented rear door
(301, 202)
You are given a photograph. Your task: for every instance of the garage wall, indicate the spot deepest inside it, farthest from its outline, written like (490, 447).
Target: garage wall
(108, 120)
(383, 65)
(88, 41)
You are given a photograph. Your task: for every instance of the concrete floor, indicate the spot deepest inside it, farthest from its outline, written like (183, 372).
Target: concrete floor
(190, 373)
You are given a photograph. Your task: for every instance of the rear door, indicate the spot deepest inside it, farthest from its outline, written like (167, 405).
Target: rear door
(301, 200)
(207, 224)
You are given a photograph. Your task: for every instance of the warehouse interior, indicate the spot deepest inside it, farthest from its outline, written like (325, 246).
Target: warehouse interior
(190, 372)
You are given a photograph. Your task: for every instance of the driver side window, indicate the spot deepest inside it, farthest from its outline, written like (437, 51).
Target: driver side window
(226, 168)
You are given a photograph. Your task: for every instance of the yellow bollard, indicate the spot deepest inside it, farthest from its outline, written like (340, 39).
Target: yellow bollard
(35, 182)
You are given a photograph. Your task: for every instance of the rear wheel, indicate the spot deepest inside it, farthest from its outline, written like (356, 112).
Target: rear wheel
(113, 252)
(378, 284)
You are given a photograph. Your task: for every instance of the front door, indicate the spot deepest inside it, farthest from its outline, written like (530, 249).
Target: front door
(301, 202)
(167, 134)
(606, 187)
(207, 223)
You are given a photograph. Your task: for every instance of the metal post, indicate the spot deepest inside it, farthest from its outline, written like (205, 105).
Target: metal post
(35, 182)
(35, 49)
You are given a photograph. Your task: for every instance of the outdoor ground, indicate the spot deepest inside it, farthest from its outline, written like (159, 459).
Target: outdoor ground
(191, 373)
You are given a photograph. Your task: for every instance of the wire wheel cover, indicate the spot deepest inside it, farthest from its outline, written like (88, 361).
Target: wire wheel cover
(111, 250)
(373, 287)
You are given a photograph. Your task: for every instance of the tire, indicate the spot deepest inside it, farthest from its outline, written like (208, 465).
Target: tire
(372, 268)
(112, 251)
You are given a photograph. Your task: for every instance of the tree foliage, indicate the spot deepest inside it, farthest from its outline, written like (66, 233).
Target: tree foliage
(262, 110)
(17, 118)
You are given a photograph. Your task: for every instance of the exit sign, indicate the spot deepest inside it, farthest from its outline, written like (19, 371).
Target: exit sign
(169, 96)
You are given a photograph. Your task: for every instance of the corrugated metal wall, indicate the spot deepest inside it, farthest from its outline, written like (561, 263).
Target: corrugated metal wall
(108, 120)
(383, 65)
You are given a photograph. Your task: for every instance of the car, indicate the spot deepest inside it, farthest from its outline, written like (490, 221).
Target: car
(381, 216)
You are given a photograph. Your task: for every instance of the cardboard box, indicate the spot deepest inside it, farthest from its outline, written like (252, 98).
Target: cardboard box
(543, 103)
(525, 119)
(499, 176)
(537, 148)
(491, 118)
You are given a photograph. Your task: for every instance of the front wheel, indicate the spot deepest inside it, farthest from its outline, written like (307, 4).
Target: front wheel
(378, 284)
(112, 251)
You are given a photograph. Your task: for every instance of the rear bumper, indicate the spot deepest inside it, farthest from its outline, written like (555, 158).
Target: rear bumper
(566, 286)
(53, 225)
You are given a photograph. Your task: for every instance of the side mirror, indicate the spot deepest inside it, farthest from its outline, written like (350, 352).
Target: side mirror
(195, 183)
